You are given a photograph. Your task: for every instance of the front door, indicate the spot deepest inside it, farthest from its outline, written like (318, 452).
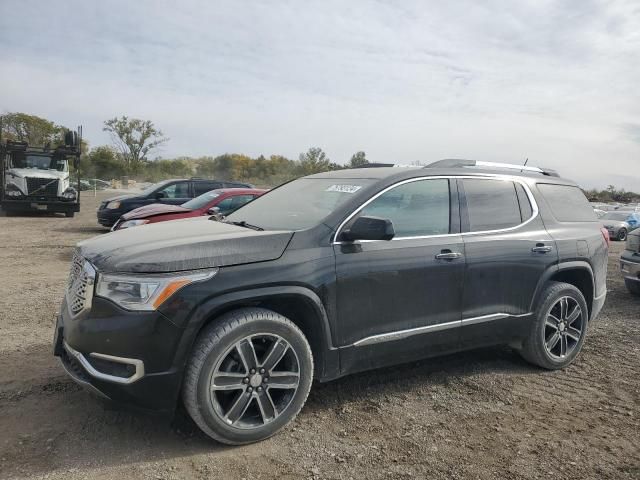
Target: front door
(176, 193)
(400, 299)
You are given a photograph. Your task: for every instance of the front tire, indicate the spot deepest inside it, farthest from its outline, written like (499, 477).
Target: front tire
(69, 214)
(559, 329)
(248, 376)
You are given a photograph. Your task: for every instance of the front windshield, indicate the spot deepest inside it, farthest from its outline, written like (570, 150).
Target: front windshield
(40, 162)
(300, 204)
(619, 216)
(201, 201)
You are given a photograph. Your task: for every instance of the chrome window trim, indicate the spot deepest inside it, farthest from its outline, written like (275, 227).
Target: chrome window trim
(410, 332)
(534, 207)
(138, 365)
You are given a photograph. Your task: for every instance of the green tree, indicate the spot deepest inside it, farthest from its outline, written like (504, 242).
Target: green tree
(102, 162)
(134, 139)
(34, 130)
(358, 160)
(314, 160)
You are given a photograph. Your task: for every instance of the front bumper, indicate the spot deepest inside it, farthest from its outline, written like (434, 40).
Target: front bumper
(125, 356)
(40, 204)
(107, 217)
(630, 266)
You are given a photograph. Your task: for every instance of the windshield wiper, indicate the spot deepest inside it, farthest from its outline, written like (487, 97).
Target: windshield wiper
(244, 224)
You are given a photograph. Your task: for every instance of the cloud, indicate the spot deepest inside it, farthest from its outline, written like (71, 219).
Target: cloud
(404, 81)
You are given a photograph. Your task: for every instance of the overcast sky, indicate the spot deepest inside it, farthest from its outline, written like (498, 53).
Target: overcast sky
(414, 80)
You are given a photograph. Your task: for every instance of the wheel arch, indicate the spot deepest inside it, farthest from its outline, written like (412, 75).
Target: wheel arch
(576, 273)
(299, 304)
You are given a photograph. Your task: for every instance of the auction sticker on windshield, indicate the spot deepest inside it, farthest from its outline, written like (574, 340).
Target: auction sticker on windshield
(344, 188)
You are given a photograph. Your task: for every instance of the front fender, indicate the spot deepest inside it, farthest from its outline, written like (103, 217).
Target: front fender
(217, 305)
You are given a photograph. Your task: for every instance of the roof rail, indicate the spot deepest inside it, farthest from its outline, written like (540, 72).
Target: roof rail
(459, 163)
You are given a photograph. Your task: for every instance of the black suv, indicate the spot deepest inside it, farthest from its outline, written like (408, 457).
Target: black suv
(329, 275)
(173, 192)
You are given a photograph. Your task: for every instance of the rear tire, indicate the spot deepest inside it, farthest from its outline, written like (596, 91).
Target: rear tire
(559, 329)
(622, 234)
(248, 376)
(69, 214)
(633, 287)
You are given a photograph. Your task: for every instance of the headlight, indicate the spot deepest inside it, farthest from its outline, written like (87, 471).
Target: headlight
(132, 223)
(13, 191)
(113, 205)
(145, 292)
(69, 194)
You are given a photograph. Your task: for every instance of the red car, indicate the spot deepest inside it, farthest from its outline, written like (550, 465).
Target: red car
(223, 200)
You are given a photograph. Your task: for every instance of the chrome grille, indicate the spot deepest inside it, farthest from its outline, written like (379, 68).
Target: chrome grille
(80, 285)
(42, 187)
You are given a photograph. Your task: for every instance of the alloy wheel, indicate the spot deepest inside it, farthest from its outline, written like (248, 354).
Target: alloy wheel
(254, 381)
(564, 326)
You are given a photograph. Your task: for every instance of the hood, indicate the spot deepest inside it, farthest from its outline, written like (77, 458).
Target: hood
(153, 209)
(188, 244)
(119, 197)
(35, 172)
(614, 224)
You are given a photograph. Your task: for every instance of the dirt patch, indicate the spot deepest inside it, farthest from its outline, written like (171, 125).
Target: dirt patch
(484, 414)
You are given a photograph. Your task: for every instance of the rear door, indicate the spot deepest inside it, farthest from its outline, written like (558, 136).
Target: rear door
(507, 251)
(201, 187)
(401, 299)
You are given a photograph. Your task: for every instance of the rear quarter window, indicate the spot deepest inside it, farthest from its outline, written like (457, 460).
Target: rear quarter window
(567, 203)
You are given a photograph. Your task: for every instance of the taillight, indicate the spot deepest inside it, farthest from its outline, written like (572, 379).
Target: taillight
(605, 234)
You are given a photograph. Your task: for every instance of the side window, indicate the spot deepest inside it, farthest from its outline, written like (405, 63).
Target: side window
(526, 211)
(231, 204)
(240, 200)
(171, 191)
(225, 205)
(416, 208)
(204, 187)
(491, 204)
(568, 203)
(236, 185)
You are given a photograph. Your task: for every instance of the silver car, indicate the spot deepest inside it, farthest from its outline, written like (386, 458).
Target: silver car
(619, 224)
(630, 263)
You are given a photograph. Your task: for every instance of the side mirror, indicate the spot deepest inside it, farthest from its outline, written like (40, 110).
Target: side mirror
(369, 228)
(213, 211)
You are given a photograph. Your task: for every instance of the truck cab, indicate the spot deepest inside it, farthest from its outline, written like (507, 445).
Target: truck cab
(37, 178)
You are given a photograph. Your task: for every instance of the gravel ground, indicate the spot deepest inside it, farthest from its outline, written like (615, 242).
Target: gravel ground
(483, 414)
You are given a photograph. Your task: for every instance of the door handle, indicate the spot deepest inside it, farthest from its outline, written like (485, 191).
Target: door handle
(541, 248)
(448, 255)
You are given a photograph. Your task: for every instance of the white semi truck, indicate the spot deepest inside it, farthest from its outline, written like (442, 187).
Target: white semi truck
(37, 178)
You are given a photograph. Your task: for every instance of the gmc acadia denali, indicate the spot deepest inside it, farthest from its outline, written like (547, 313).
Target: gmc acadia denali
(328, 275)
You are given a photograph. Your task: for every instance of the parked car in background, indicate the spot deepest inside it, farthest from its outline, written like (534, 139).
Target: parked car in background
(630, 262)
(94, 184)
(169, 192)
(599, 213)
(620, 223)
(329, 275)
(222, 202)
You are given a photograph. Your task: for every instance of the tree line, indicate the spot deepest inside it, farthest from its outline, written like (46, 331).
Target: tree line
(612, 194)
(134, 141)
